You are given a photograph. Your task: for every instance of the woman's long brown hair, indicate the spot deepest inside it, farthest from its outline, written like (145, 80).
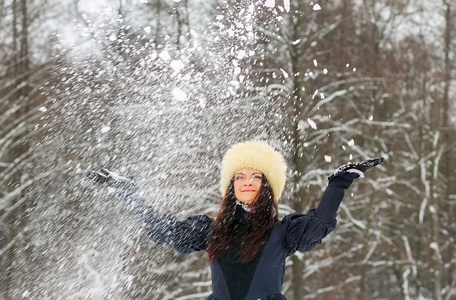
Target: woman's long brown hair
(260, 221)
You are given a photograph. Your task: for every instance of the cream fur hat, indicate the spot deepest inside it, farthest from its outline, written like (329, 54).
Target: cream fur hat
(257, 155)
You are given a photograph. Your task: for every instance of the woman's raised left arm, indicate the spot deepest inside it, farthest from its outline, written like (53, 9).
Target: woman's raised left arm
(305, 232)
(338, 183)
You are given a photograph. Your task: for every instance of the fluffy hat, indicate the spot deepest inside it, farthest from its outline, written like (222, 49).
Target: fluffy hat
(257, 155)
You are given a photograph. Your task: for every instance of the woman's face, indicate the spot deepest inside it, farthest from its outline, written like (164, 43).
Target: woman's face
(247, 184)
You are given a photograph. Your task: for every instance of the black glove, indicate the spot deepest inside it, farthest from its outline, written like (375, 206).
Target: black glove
(112, 180)
(359, 168)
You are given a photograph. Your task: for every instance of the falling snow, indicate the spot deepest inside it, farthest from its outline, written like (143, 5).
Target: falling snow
(316, 7)
(161, 95)
(177, 65)
(312, 123)
(179, 94)
(269, 3)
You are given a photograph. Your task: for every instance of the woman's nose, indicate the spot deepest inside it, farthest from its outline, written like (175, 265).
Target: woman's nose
(248, 182)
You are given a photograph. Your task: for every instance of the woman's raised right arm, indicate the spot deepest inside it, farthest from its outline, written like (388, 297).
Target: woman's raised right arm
(185, 236)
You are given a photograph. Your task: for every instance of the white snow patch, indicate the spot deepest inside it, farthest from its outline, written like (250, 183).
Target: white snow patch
(105, 129)
(269, 3)
(219, 17)
(360, 173)
(351, 143)
(405, 285)
(422, 208)
(286, 4)
(130, 279)
(43, 109)
(434, 246)
(316, 7)
(285, 74)
(327, 158)
(179, 94)
(312, 123)
(296, 42)
(112, 38)
(315, 62)
(147, 29)
(251, 9)
(164, 55)
(176, 65)
(237, 71)
(325, 71)
(302, 125)
(371, 118)
(241, 54)
(235, 83)
(202, 103)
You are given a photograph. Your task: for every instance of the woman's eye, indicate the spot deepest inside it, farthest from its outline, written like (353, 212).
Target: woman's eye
(242, 177)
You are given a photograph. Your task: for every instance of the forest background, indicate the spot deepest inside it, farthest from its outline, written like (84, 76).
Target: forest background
(160, 89)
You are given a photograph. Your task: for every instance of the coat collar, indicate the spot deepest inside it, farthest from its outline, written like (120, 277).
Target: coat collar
(243, 205)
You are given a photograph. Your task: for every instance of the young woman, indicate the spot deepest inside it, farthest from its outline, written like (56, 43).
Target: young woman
(247, 244)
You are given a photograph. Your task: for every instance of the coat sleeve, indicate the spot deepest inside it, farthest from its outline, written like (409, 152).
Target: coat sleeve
(185, 236)
(303, 232)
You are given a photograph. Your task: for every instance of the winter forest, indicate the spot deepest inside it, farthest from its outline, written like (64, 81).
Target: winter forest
(160, 89)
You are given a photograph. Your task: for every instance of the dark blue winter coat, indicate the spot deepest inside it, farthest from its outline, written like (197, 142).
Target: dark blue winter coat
(261, 278)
